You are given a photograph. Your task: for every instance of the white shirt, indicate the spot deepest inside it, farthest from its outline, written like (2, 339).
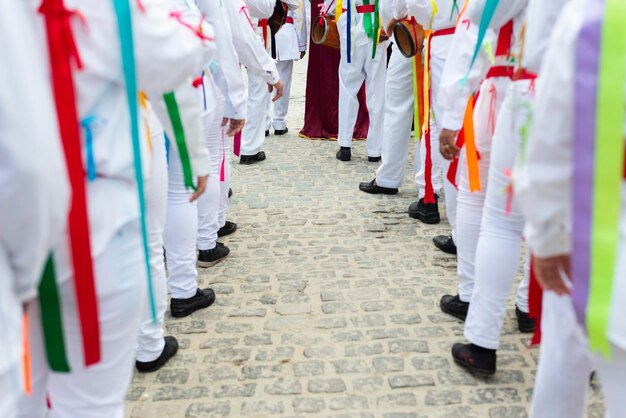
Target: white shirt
(291, 39)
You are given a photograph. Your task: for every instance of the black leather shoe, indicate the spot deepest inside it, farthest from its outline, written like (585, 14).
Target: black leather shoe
(374, 188)
(344, 154)
(445, 243)
(478, 360)
(251, 159)
(281, 131)
(374, 159)
(267, 133)
(525, 323)
(453, 305)
(180, 308)
(228, 228)
(208, 258)
(230, 192)
(169, 350)
(425, 212)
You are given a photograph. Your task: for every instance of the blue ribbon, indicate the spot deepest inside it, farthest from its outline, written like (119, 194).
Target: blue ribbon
(86, 124)
(125, 29)
(485, 19)
(349, 34)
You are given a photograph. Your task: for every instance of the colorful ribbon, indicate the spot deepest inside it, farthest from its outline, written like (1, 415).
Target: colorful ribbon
(26, 364)
(62, 51)
(599, 105)
(376, 30)
(125, 29)
(485, 19)
(418, 96)
(179, 135)
(470, 147)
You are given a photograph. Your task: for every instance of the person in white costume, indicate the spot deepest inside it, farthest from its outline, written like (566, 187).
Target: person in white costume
(357, 66)
(491, 79)
(499, 243)
(254, 133)
(167, 52)
(290, 45)
(34, 188)
(566, 363)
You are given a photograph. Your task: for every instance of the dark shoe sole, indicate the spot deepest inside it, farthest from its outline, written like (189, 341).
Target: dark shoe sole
(430, 219)
(453, 313)
(221, 234)
(374, 159)
(153, 366)
(477, 371)
(280, 132)
(207, 264)
(183, 313)
(378, 190)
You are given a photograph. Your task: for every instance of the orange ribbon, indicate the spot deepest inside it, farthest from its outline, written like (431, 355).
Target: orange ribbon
(470, 147)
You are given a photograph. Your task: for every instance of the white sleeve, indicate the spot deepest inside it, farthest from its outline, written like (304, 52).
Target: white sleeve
(168, 50)
(261, 9)
(543, 177)
(303, 33)
(421, 10)
(247, 44)
(226, 72)
(190, 114)
(541, 17)
(292, 4)
(505, 11)
(453, 93)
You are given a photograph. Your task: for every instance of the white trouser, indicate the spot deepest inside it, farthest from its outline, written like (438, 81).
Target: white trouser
(439, 164)
(281, 106)
(565, 365)
(398, 117)
(499, 243)
(181, 227)
(150, 341)
(96, 391)
(469, 204)
(253, 135)
(10, 384)
(351, 77)
(210, 202)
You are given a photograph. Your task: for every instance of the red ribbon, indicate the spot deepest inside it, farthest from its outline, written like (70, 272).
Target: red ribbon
(62, 51)
(535, 302)
(505, 38)
(237, 144)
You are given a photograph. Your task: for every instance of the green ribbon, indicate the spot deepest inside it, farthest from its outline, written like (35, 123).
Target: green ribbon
(51, 320)
(179, 134)
(367, 22)
(455, 6)
(125, 29)
(608, 173)
(376, 29)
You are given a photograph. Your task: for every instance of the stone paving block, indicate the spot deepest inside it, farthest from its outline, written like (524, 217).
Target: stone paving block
(367, 384)
(368, 320)
(278, 354)
(359, 350)
(351, 366)
(494, 395)
(258, 339)
(284, 387)
(261, 408)
(172, 376)
(438, 397)
(334, 385)
(388, 364)
(170, 393)
(308, 368)
(208, 409)
(408, 346)
(232, 391)
(350, 403)
(309, 405)
(410, 381)
(399, 399)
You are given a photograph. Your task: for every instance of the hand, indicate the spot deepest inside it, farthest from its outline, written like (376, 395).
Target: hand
(383, 36)
(279, 90)
(200, 188)
(553, 273)
(390, 26)
(235, 126)
(447, 144)
(302, 54)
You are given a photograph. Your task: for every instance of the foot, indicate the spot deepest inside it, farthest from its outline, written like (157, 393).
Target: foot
(453, 305)
(281, 131)
(228, 228)
(445, 243)
(374, 159)
(208, 258)
(525, 323)
(425, 212)
(344, 154)
(267, 133)
(251, 159)
(169, 350)
(180, 308)
(374, 188)
(478, 360)
(230, 192)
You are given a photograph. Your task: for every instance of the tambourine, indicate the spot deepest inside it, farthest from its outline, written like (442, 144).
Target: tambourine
(409, 37)
(324, 32)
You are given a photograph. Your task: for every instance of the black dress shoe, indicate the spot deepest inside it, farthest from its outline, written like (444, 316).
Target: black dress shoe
(344, 154)
(228, 228)
(445, 243)
(208, 258)
(525, 323)
(281, 131)
(251, 159)
(267, 133)
(425, 212)
(230, 192)
(374, 159)
(478, 360)
(374, 188)
(453, 305)
(169, 350)
(180, 308)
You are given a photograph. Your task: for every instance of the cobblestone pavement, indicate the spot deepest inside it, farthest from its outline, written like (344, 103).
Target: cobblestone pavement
(328, 306)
